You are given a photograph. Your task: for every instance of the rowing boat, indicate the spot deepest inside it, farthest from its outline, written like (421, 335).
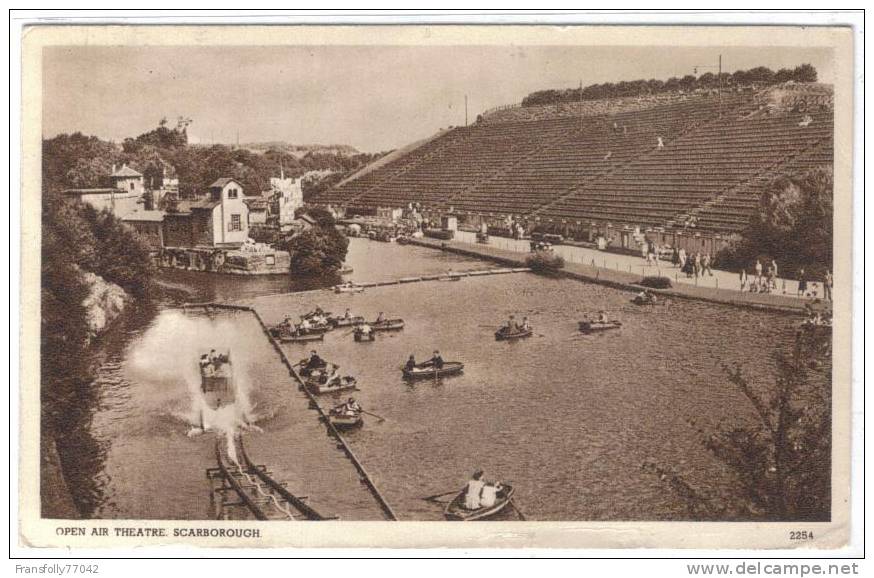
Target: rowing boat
(345, 321)
(425, 371)
(504, 334)
(316, 313)
(348, 289)
(321, 328)
(217, 380)
(455, 510)
(388, 325)
(594, 326)
(289, 338)
(343, 384)
(450, 278)
(345, 420)
(362, 336)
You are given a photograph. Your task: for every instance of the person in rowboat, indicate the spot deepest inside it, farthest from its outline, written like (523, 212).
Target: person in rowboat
(646, 296)
(436, 361)
(347, 315)
(512, 326)
(380, 318)
(473, 492)
(526, 325)
(489, 494)
(329, 378)
(351, 407)
(315, 362)
(602, 317)
(411, 363)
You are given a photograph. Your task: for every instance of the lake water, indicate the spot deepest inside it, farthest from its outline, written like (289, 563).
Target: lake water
(568, 419)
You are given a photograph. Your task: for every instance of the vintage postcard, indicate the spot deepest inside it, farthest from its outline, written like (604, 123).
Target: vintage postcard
(436, 286)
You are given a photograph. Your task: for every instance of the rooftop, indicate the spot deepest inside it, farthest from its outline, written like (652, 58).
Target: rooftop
(185, 207)
(126, 171)
(219, 183)
(145, 216)
(93, 191)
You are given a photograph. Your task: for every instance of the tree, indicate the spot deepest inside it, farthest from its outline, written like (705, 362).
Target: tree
(782, 461)
(805, 73)
(316, 252)
(760, 75)
(793, 224)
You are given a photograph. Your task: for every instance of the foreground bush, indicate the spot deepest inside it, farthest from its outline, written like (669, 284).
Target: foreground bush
(544, 262)
(655, 282)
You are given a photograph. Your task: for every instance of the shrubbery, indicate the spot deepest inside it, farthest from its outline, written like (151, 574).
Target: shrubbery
(544, 262)
(77, 239)
(655, 282)
(760, 75)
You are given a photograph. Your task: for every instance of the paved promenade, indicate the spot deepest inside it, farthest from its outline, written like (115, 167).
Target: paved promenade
(622, 271)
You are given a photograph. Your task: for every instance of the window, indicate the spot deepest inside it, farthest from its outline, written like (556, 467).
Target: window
(235, 224)
(270, 260)
(131, 186)
(232, 193)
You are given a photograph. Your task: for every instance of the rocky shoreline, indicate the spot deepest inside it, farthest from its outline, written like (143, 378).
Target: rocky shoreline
(104, 304)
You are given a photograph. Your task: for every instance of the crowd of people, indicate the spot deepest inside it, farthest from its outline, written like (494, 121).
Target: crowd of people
(765, 280)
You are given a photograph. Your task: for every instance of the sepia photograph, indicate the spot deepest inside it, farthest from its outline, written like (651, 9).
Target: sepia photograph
(506, 275)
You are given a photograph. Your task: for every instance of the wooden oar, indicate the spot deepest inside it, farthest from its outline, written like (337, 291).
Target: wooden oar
(518, 511)
(379, 417)
(432, 498)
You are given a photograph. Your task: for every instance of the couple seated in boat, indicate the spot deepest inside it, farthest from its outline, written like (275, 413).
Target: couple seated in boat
(480, 493)
(325, 376)
(212, 361)
(350, 408)
(436, 362)
(307, 325)
(646, 296)
(512, 326)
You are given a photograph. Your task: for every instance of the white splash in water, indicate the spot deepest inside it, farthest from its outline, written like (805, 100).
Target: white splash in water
(168, 358)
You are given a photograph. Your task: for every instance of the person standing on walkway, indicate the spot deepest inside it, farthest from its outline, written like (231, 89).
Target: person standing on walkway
(682, 259)
(705, 263)
(743, 279)
(697, 267)
(675, 257)
(802, 283)
(827, 285)
(758, 272)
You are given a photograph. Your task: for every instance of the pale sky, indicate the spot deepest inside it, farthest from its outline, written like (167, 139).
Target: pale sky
(373, 98)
